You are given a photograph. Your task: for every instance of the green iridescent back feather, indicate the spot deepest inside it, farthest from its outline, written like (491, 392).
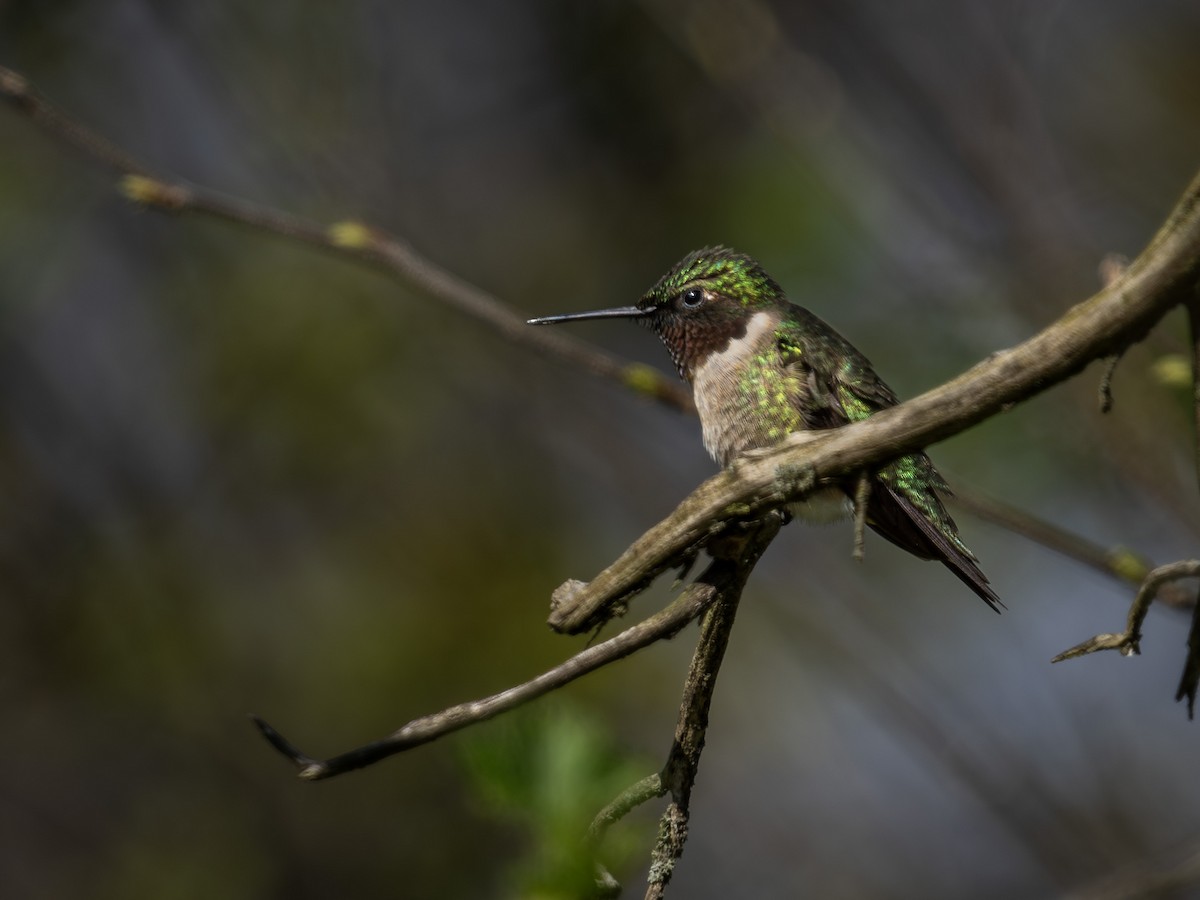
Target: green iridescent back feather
(845, 389)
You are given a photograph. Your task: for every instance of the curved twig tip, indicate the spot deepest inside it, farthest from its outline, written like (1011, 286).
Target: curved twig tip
(310, 769)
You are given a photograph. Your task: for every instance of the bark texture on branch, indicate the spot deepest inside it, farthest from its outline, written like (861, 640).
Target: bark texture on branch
(1165, 275)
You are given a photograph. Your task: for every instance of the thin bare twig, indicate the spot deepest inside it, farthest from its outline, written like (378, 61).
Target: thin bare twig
(624, 803)
(1128, 641)
(620, 806)
(692, 602)
(17, 91)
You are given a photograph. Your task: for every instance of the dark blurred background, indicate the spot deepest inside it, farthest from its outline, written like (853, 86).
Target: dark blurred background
(239, 475)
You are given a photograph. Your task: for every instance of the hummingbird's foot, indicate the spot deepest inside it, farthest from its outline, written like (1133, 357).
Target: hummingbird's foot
(862, 494)
(793, 482)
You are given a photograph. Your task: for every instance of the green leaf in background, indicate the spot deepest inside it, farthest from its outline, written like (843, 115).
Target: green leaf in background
(548, 770)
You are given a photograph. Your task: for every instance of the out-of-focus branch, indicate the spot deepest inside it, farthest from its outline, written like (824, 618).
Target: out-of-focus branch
(16, 90)
(1117, 561)
(1193, 313)
(1162, 876)
(1165, 275)
(353, 240)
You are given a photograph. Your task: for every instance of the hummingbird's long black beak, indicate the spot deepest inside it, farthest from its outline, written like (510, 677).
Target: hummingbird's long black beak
(617, 312)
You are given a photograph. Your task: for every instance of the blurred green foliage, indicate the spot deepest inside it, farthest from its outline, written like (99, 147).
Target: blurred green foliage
(548, 771)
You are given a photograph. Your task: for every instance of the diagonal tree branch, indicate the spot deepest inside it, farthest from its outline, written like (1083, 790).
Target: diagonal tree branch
(1165, 275)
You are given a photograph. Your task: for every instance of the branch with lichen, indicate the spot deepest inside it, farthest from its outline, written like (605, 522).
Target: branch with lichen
(735, 556)
(1122, 313)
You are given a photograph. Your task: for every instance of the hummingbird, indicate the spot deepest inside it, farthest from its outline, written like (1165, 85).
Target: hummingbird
(761, 367)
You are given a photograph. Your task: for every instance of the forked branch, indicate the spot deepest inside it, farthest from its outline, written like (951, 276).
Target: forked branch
(1128, 642)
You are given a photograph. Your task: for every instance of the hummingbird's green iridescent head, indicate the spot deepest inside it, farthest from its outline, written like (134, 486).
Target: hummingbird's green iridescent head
(700, 305)
(722, 274)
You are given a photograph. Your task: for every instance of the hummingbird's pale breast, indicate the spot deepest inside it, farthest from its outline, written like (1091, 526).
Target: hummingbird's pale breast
(747, 399)
(732, 389)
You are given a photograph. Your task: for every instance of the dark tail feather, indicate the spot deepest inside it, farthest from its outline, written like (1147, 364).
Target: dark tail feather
(971, 575)
(894, 516)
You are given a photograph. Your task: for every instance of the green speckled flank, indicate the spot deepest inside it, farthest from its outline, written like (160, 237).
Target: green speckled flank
(721, 270)
(773, 392)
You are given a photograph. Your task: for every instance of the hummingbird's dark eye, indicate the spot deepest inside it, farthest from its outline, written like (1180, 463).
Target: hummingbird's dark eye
(692, 298)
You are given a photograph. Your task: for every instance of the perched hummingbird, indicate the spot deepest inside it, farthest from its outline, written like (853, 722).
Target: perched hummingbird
(762, 367)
